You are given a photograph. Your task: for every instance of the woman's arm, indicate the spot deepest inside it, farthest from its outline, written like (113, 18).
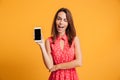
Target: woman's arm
(46, 53)
(75, 63)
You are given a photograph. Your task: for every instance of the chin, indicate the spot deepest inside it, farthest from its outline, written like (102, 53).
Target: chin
(59, 31)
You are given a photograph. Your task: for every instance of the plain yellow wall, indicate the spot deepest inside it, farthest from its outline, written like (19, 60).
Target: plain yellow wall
(97, 23)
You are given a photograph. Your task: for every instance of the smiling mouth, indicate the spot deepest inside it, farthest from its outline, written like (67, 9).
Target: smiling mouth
(60, 26)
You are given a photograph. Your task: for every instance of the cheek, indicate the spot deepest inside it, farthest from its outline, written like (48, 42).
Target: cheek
(57, 22)
(66, 25)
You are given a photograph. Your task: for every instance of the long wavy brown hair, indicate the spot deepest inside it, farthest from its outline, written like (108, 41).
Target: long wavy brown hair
(70, 31)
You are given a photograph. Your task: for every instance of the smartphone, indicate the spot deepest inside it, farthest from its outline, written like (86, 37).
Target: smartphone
(37, 34)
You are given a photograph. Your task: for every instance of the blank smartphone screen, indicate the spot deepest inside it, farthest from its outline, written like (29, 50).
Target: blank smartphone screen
(37, 34)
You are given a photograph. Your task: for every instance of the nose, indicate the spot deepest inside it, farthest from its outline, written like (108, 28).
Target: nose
(61, 21)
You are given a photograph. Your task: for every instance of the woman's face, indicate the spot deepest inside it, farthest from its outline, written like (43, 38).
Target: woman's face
(61, 22)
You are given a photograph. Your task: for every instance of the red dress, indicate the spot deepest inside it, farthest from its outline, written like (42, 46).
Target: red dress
(62, 56)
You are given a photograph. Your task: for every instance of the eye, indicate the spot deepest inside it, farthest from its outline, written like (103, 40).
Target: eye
(58, 18)
(65, 20)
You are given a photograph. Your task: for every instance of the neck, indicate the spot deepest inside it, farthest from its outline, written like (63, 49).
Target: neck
(61, 34)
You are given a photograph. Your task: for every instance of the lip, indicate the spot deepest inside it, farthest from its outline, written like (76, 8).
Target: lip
(60, 26)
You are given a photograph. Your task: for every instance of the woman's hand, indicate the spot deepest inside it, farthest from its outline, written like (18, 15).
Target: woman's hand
(41, 42)
(54, 68)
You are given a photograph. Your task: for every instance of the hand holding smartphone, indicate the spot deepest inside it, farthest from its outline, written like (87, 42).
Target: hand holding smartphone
(37, 34)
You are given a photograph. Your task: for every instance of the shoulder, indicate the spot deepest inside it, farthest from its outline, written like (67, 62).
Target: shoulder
(49, 40)
(76, 40)
(47, 45)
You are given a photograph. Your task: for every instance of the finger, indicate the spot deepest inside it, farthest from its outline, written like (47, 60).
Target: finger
(42, 38)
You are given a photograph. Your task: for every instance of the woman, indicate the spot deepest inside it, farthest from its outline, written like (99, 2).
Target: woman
(61, 52)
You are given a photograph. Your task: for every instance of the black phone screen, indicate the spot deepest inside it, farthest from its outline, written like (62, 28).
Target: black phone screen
(37, 34)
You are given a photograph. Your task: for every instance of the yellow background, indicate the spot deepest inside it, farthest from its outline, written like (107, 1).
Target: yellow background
(97, 23)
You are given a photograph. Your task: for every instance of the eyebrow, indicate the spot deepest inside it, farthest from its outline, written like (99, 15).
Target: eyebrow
(60, 17)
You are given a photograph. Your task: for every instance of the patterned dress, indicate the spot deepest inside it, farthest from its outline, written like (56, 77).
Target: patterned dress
(61, 56)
